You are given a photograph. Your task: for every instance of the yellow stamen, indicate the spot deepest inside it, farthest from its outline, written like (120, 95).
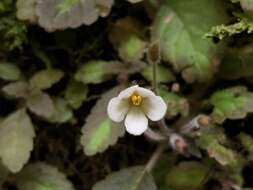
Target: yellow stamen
(135, 99)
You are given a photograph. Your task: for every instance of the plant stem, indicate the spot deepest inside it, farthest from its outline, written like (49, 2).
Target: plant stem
(155, 156)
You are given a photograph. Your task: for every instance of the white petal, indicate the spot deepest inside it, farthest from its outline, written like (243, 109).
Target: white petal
(136, 122)
(128, 92)
(117, 109)
(154, 107)
(144, 92)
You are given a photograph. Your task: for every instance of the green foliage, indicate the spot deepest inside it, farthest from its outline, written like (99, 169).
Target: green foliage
(58, 86)
(232, 103)
(164, 74)
(187, 175)
(9, 72)
(16, 140)
(41, 176)
(46, 78)
(99, 132)
(94, 72)
(13, 33)
(178, 29)
(222, 31)
(135, 178)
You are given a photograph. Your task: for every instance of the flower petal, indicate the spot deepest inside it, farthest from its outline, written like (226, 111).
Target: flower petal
(154, 107)
(144, 92)
(117, 109)
(136, 122)
(128, 92)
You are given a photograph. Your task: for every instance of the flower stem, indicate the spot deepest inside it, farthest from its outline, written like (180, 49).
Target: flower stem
(155, 156)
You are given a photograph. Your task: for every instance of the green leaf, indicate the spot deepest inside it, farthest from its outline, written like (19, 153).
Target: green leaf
(46, 78)
(26, 10)
(212, 141)
(41, 176)
(62, 14)
(132, 49)
(134, 178)
(187, 175)
(164, 75)
(94, 72)
(76, 93)
(99, 132)
(231, 103)
(19, 89)
(177, 27)
(62, 113)
(9, 72)
(176, 104)
(41, 104)
(16, 140)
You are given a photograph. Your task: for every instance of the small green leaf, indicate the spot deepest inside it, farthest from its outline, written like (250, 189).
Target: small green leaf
(176, 104)
(177, 27)
(99, 132)
(16, 140)
(132, 49)
(94, 72)
(187, 175)
(76, 93)
(134, 1)
(231, 103)
(9, 72)
(164, 75)
(62, 113)
(41, 104)
(41, 176)
(134, 178)
(46, 78)
(19, 89)
(26, 10)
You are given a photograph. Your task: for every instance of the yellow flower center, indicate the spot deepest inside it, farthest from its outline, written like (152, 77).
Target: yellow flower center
(135, 99)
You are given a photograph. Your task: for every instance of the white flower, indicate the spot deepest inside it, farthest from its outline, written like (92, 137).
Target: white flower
(136, 104)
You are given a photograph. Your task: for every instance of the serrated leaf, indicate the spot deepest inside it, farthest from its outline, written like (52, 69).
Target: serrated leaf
(231, 103)
(46, 78)
(19, 89)
(62, 113)
(99, 132)
(9, 72)
(62, 14)
(187, 175)
(164, 75)
(76, 93)
(16, 140)
(26, 10)
(41, 176)
(176, 104)
(41, 104)
(212, 141)
(95, 72)
(134, 178)
(132, 49)
(180, 35)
